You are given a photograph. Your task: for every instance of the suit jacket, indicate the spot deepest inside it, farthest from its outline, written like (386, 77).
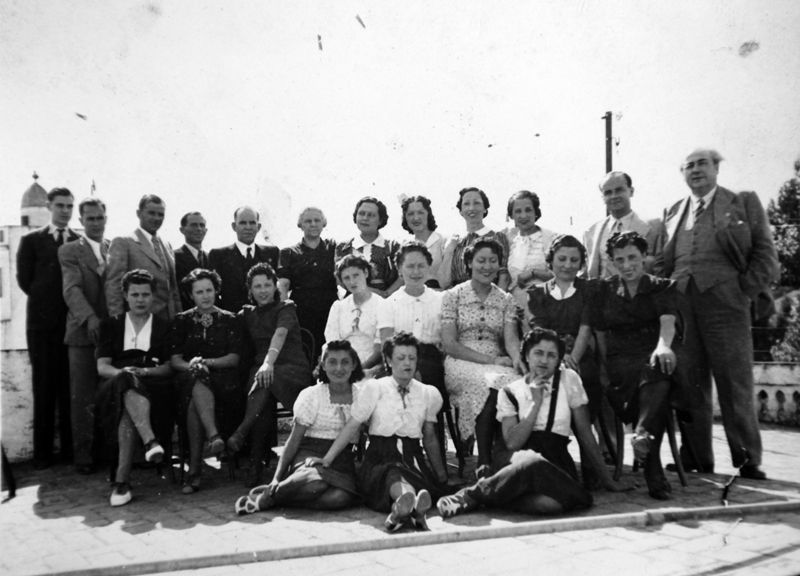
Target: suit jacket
(39, 276)
(83, 288)
(185, 262)
(652, 231)
(743, 234)
(135, 251)
(232, 268)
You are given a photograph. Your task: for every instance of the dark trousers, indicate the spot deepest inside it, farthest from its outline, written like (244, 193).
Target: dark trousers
(529, 474)
(50, 375)
(83, 389)
(717, 341)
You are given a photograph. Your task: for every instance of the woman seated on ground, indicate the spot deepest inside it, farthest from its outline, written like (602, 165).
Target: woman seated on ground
(355, 317)
(473, 205)
(528, 245)
(400, 410)
(537, 474)
(206, 343)
(418, 220)
(320, 413)
(634, 314)
(369, 217)
(480, 338)
(280, 369)
(135, 397)
(562, 304)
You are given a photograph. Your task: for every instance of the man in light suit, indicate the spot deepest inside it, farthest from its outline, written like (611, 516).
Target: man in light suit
(83, 268)
(39, 276)
(144, 249)
(719, 250)
(191, 255)
(232, 262)
(617, 191)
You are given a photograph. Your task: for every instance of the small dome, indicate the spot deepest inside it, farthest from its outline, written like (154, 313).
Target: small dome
(35, 196)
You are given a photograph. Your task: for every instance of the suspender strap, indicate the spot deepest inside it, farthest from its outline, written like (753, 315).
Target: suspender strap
(551, 416)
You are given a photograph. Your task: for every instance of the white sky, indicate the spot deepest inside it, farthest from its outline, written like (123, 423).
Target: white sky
(216, 104)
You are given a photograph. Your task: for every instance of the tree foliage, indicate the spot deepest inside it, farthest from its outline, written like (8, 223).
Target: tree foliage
(784, 216)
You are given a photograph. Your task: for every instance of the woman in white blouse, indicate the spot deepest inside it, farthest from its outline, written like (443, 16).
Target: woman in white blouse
(528, 245)
(536, 474)
(355, 317)
(135, 398)
(320, 413)
(401, 411)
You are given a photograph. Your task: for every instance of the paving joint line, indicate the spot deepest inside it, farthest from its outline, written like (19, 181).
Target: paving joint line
(643, 519)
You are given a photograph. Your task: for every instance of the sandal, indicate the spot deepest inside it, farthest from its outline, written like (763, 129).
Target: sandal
(245, 505)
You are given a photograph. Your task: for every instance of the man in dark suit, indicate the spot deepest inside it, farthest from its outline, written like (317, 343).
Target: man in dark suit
(232, 262)
(719, 250)
(191, 254)
(83, 267)
(39, 276)
(143, 248)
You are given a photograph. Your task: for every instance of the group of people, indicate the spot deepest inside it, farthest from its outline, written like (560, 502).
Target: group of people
(514, 337)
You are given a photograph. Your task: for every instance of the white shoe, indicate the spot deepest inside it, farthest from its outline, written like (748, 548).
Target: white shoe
(121, 494)
(154, 453)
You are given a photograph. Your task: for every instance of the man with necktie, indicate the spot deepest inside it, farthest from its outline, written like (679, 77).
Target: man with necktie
(719, 249)
(232, 262)
(617, 191)
(191, 255)
(83, 267)
(144, 248)
(39, 276)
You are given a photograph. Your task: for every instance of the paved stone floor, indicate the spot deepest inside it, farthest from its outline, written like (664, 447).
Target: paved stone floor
(61, 522)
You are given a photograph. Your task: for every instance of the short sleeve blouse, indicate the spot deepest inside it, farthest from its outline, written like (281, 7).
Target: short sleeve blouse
(570, 395)
(477, 319)
(322, 418)
(380, 402)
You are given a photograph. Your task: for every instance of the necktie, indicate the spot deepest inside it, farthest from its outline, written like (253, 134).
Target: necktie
(103, 253)
(616, 228)
(60, 239)
(249, 254)
(202, 259)
(701, 206)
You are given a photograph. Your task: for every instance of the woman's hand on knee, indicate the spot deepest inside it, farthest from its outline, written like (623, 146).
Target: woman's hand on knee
(664, 358)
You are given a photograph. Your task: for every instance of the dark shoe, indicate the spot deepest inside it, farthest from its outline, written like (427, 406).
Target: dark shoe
(752, 472)
(457, 503)
(192, 484)
(84, 469)
(706, 470)
(235, 442)
(401, 512)
(215, 445)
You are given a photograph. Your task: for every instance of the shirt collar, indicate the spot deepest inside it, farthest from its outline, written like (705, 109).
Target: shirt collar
(53, 230)
(482, 232)
(707, 198)
(243, 248)
(146, 234)
(193, 251)
(359, 242)
(625, 220)
(95, 245)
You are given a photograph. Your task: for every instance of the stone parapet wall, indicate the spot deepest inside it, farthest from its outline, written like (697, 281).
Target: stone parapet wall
(17, 405)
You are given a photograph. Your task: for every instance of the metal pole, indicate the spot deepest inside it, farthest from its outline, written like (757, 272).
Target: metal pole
(609, 141)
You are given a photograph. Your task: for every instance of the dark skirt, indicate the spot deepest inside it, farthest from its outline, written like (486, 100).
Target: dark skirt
(229, 399)
(288, 380)
(388, 456)
(111, 406)
(551, 446)
(340, 474)
(626, 375)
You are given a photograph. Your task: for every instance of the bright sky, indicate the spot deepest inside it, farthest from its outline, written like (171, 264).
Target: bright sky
(216, 104)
